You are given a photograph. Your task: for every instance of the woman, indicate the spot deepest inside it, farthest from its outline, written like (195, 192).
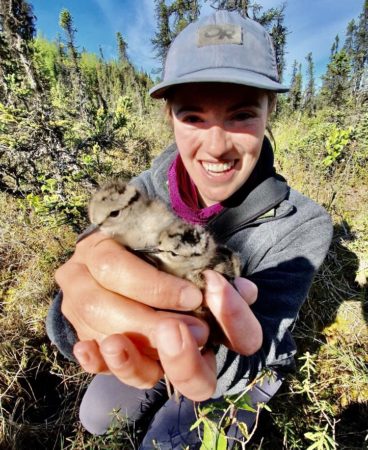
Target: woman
(220, 83)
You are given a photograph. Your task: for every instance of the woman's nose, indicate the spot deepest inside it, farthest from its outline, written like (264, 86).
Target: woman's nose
(217, 140)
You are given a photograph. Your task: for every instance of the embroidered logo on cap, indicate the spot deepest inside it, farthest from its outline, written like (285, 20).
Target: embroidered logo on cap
(219, 34)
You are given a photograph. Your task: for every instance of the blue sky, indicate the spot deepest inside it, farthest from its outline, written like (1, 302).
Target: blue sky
(313, 25)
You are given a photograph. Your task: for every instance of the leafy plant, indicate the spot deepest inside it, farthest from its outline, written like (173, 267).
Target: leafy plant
(218, 416)
(336, 145)
(321, 439)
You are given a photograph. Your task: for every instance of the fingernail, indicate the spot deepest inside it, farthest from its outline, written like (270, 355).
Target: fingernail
(200, 333)
(116, 354)
(214, 281)
(246, 288)
(190, 297)
(82, 357)
(169, 339)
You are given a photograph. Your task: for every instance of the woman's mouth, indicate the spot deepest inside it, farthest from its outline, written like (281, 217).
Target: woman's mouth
(218, 168)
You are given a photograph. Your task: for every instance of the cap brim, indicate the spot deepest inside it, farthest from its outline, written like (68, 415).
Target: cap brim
(220, 75)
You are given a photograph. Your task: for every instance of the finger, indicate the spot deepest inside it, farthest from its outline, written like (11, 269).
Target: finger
(193, 374)
(239, 324)
(89, 357)
(247, 289)
(128, 364)
(96, 312)
(119, 270)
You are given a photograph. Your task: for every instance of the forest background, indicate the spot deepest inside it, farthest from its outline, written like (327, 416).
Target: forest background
(70, 119)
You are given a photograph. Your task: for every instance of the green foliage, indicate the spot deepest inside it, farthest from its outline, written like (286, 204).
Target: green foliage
(55, 208)
(70, 121)
(336, 145)
(46, 59)
(309, 101)
(336, 81)
(171, 19)
(215, 418)
(321, 439)
(294, 97)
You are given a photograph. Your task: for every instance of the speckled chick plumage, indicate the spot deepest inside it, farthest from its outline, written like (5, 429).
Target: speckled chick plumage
(148, 227)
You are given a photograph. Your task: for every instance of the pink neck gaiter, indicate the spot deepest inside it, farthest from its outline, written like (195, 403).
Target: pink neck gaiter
(184, 197)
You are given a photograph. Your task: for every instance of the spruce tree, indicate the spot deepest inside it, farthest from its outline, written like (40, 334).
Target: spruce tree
(232, 5)
(171, 19)
(122, 47)
(361, 48)
(295, 94)
(66, 23)
(76, 79)
(309, 102)
(278, 34)
(335, 46)
(336, 81)
(17, 30)
(162, 39)
(350, 37)
(273, 20)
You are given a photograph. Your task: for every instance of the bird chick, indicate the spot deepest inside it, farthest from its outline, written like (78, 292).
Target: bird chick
(147, 227)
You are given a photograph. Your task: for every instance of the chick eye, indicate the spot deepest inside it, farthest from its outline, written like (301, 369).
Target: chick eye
(114, 213)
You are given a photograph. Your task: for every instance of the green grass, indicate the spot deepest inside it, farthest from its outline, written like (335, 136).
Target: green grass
(323, 405)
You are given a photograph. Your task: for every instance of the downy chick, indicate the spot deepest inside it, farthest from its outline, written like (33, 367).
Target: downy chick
(147, 227)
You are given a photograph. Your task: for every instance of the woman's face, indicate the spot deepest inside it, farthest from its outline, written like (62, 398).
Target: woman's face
(219, 130)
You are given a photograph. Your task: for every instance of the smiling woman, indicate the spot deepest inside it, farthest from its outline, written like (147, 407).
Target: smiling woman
(220, 81)
(219, 130)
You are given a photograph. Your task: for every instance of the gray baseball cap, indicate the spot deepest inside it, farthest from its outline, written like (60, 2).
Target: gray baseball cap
(223, 47)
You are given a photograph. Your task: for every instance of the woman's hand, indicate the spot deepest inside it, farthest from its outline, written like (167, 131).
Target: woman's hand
(100, 283)
(191, 371)
(194, 373)
(108, 295)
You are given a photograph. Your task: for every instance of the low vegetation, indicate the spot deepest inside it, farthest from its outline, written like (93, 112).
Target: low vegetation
(68, 121)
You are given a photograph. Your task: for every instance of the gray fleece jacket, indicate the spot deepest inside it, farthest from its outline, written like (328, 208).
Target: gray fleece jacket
(282, 238)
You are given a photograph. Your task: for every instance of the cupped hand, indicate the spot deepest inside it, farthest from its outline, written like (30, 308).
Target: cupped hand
(101, 281)
(192, 371)
(107, 290)
(121, 335)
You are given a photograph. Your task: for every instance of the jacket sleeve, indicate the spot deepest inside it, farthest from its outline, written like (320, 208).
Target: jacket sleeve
(59, 330)
(283, 275)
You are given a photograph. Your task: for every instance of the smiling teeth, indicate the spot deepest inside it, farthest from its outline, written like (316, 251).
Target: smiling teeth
(218, 168)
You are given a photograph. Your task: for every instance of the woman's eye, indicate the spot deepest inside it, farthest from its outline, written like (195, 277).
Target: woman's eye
(191, 119)
(114, 213)
(242, 116)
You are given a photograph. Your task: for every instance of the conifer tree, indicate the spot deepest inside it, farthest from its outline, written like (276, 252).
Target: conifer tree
(77, 84)
(66, 23)
(232, 5)
(309, 102)
(350, 37)
(162, 39)
(278, 34)
(183, 12)
(171, 19)
(296, 82)
(335, 46)
(17, 30)
(273, 20)
(122, 47)
(360, 59)
(336, 81)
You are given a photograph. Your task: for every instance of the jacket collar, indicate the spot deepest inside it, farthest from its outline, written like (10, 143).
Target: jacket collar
(256, 201)
(261, 194)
